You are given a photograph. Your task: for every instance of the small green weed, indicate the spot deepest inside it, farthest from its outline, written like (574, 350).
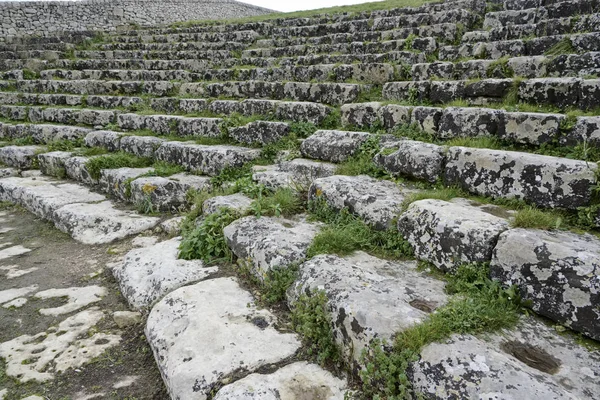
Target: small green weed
(206, 242)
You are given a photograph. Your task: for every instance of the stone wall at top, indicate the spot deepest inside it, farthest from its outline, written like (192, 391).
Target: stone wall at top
(43, 18)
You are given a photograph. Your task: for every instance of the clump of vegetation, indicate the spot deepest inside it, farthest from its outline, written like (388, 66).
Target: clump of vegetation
(113, 161)
(345, 233)
(565, 46)
(207, 242)
(478, 305)
(311, 320)
(532, 217)
(362, 163)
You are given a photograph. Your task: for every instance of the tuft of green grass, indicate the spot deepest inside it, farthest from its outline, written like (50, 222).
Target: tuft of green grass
(565, 46)
(480, 142)
(532, 217)
(162, 168)
(361, 163)
(113, 161)
(283, 201)
(345, 233)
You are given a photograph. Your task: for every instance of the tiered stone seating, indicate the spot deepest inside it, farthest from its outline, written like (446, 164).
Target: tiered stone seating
(333, 85)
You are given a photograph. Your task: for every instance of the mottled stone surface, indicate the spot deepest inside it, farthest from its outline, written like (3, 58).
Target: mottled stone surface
(414, 159)
(559, 272)
(100, 222)
(117, 182)
(166, 193)
(468, 122)
(21, 157)
(529, 361)
(368, 297)
(53, 163)
(449, 234)
(236, 202)
(261, 132)
(294, 382)
(148, 273)
(333, 146)
(543, 180)
(207, 331)
(360, 114)
(529, 128)
(378, 202)
(269, 242)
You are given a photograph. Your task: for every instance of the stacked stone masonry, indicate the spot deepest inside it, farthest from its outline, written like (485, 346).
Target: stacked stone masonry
(417, 93)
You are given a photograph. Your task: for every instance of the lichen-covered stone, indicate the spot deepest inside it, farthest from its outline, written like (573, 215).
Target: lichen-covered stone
(368, 297)
(141, 146)
(53, 163)
(449, 234)
(269, 242)
(333, 146)
(116, 182)
(394, 115)
(166, 193)
(529, 128)
(236, 202)
(414, 159)
(261, 132)
(586, 130)
(22, 157)
(468, 122)
(427, 118)
(560, 92)
(543, 180)
(148, 273)
(204, 332)
(360, 114)
(378, 202)
(530, 361)
(76, 169)
(558, 272)
(108, 139)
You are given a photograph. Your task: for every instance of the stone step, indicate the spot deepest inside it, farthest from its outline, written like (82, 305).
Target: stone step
(535, 14)
(86, 216)
(333, 146)
(148, 273)
(203, 334)
(557, 272)
(154, 55)
(266, 242)
(378, 73)
(180, 45)
(582, 65)
(529, 361)
(377, 202)
(576, 43)
(557, 26)
(368, 297)
(447, 123)
(21, 157)
(287, 382)
(282, 110)
(418, 44)
(558, 92)
(91, 87)
(297, 174)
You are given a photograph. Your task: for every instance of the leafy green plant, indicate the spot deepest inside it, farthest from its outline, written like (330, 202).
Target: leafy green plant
(361, 163)
(311, 319)
(206, 242)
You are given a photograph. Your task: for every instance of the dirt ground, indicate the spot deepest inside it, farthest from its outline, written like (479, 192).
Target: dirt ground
(36, 256)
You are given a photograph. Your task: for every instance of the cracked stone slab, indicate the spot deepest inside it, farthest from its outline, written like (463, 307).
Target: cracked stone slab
(543, 180)
(558, 272)
(368, 297)
(39, 356)
(203, 333)
(77, 297)
(378, 202)
(333, 146)
(146, 274)
(294, 381)
(269, 242)
(449, 234)
(529, 361)
(100, 222)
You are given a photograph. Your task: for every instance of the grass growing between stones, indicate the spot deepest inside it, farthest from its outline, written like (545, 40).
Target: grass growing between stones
(478, 305)
(206, 242)
(113, 161)
(345, 233)
(362, 163)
